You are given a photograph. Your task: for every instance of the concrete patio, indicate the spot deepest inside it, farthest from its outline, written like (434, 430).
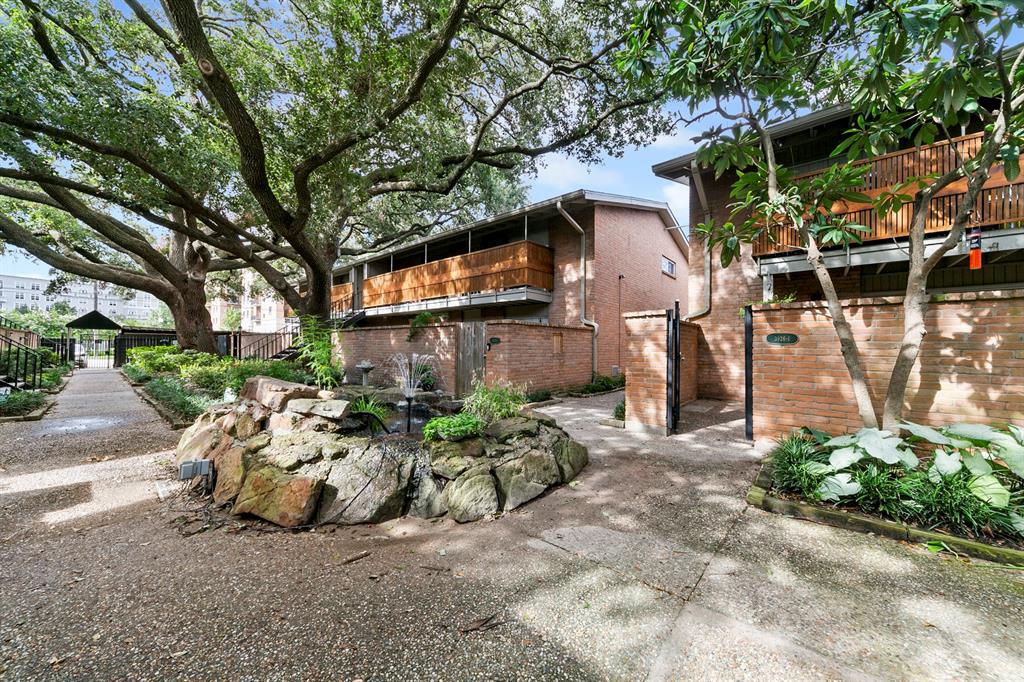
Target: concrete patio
(651, 566)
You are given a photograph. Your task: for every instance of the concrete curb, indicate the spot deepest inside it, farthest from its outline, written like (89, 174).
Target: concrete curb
(591, 395)
(171, 418)
(616, 423)
(32, 416)
(758, 496)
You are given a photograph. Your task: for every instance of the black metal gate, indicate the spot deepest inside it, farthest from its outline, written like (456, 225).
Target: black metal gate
(672, 370)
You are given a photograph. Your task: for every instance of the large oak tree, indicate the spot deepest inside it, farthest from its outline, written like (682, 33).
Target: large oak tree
(287, 135)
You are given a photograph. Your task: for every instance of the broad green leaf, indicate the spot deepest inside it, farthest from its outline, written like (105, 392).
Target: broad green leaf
(880, 445)
(817, 468)
(1017, 432)
(927, 433)
(844, 457)
(976, 464)
(947, 463)
(1014, 459)
(988, 489)
(1018, 522)
(982, 434)
(908, 458)
(839, 485)
(841, 441)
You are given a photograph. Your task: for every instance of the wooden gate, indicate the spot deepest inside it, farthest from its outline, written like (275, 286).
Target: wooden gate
(469, 363)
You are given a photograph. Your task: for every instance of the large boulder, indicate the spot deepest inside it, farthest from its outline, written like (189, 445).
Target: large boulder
(449, 459)
(472, 495)
(230, 470)
(428, 498)
(505, 430)
(275, 394)
(369, 486)
(571, 458)
(198, 441)
(285, 499)
(328, 409)
(524, 478)
(289, 451)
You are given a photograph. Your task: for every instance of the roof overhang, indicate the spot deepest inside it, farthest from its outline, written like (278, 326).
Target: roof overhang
(521, 295)
(679, 168)
(93, 320)
(886, 252)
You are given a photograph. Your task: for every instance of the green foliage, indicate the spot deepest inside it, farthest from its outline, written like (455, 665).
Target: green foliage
(316, 350)
(210, 379)
(620, 410)
(427, 378)
(44, 322)
(136, 373)
(373, 405)
(232, 319)
(493, 403)
(971, 482)
(538, 396)
(454, 427)
(51, 377)
(602, 383)
(18, 403)
(417, 323)
(173, 393)
(241, 371)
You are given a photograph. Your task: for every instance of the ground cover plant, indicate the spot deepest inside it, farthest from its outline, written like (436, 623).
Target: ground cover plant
(188, 381)
(601, 383)
(491, 403)
(371, 404)
(454, 427)
(19, 403)
(966, 479)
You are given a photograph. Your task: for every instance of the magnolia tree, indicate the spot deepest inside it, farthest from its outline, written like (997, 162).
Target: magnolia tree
(912, 71)
(282, 136)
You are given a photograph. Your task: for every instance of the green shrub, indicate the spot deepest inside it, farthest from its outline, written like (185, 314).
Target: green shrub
(372, 405)
(153, 359)
(620, 410)
(48, 356)
(493, 403)
(211, 379)
(316, 350)
(50, 378)
(454, 427)
(796, 465)
(134, 372)
(173, 394)
(602, 383)
(427, 379)
(18, 403)
(239, 372)
(538, 396)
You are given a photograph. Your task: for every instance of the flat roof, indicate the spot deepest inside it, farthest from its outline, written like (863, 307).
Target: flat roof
(678, 169)
(545, 207)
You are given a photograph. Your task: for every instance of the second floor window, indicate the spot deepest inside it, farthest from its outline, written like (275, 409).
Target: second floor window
(668, 266)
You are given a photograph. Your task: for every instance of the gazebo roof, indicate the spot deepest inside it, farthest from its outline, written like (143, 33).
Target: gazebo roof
(93, 320)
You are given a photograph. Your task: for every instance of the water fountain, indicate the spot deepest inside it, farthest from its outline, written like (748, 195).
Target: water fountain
(409, 372)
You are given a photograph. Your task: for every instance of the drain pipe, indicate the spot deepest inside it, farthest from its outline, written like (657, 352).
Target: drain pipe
(698, 186)
(583, 288)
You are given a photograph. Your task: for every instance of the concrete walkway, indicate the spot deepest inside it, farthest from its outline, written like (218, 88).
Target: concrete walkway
(651, 567)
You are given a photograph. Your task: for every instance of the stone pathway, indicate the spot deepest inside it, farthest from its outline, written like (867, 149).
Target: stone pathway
(650, 567)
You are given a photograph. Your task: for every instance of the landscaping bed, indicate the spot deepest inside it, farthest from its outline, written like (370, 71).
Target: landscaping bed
(24, 406)
(958, 487)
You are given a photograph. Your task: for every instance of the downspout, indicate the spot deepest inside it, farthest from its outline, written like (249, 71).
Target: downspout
(583, 288)
(698, 186)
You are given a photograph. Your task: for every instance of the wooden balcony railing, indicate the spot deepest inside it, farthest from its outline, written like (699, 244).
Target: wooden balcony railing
(1000, 201)
(522, 263)
(341, 298)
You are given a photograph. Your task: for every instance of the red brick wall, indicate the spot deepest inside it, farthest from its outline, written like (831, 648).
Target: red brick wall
(537, 355)
(971, 366)
(631, 243)
(22, 336)
(378, 344)
(646, 365)
(565, 243)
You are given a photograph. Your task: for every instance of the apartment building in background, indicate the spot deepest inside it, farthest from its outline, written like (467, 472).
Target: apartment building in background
(27, 292)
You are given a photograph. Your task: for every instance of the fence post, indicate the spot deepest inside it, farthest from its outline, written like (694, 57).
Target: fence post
(748, 372)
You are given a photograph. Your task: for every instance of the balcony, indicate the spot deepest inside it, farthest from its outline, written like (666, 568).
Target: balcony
(999, 203)
(341, 299)
(460, 280)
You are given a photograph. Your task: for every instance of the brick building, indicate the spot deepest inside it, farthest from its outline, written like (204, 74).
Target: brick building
(972, 363)
(520, 274)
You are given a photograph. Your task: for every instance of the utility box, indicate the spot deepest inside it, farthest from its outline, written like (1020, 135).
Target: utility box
(191, 469)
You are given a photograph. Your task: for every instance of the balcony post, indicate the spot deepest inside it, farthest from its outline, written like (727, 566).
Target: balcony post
(767, 287)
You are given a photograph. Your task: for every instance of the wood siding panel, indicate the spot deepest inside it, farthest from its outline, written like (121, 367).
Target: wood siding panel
(999, 202)
(511, 265)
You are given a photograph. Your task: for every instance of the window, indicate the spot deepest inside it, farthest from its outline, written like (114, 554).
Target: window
(35, 287)
(668, 266)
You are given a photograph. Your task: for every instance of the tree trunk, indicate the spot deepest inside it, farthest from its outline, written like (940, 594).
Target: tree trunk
(191, 318)
(847, 342)
(317, 301)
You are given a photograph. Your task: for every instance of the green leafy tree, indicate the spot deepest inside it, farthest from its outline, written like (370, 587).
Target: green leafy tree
(911, 70)
(289, 134)
(45, 322)
(233, 319)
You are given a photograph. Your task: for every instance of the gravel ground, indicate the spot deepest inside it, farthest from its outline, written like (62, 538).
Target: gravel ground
(651, 567)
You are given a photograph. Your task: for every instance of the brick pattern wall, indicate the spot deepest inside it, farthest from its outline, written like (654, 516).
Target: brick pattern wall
(631, 243)
(564, 309)
(378, 344)
(646, 363)
(538, 356)
(971, 365)
(22, 336)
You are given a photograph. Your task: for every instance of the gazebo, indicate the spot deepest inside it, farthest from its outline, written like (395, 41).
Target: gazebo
(87, 348)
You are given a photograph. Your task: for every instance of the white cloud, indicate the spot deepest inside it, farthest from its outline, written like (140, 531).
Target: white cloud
(680, 140)
(678, 198)
(559, 174)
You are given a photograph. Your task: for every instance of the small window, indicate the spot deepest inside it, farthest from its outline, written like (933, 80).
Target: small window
(668, 266)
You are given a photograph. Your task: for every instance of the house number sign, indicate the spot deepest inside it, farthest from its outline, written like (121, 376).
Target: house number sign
(782, 339)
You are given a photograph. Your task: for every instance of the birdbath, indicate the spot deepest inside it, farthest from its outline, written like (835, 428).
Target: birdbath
(366, 367)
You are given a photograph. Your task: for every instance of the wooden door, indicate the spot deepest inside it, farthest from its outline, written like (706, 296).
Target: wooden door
(469, 363)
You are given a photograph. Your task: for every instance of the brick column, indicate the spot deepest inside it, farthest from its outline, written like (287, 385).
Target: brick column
(645, 363)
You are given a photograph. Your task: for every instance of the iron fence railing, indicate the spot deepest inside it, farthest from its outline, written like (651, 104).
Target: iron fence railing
(21, 367)
(62, 346)
(271, 344)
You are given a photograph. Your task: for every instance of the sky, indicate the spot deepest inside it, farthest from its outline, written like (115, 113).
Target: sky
(629, 175)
